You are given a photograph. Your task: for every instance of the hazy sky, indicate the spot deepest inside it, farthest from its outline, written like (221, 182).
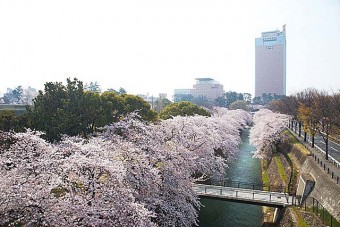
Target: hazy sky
(156, 45)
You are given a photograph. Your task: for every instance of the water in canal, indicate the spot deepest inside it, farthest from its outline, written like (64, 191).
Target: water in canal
(217, 213)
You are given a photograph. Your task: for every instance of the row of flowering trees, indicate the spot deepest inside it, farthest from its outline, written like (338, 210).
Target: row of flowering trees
(265, 134)
(313, 112)
(131, 174)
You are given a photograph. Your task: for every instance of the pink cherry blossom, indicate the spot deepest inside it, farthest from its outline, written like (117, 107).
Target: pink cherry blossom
(266, 131)
(131, 174)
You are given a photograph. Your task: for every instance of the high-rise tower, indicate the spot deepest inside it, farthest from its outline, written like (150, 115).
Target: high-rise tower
(270, 63)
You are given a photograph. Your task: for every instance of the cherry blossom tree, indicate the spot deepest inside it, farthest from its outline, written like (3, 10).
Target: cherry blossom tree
(183, 149)
(173, 163)
(76, 182)
(131, 174)
(266, 131)
(28, 95)
(239, 118)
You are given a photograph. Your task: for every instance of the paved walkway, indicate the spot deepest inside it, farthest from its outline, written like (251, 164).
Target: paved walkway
(327, 166)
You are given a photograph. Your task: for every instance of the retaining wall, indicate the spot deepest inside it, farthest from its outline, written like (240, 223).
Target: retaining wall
(326, 191)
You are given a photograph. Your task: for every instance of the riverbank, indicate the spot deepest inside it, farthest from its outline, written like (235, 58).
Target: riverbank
(284, 169)
(275, 174)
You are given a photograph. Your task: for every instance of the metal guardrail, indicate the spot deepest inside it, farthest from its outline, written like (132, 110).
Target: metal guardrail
(313, 205)
(333, 160)
(310, 204)
(323, 163)
(245, 194)
(245, 185)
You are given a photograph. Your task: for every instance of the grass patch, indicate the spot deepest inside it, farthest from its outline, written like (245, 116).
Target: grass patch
(296, 143)
(294, 174)
(18, 109)
(292, 138)
(59, 191)
(302, 149)
(12, 107)
(265, 177)
(326, 216)
(301, 222)
(281, 169)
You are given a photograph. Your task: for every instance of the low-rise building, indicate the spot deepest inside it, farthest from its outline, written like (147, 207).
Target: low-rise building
(204, 88)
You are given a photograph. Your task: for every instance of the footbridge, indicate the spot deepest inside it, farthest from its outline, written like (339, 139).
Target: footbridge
(245, 195)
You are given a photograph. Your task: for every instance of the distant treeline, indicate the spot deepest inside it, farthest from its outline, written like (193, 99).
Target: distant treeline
(18, 109)
(73, 110)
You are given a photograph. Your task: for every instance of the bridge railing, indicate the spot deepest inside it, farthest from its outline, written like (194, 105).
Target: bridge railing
(245, 185)
(245, 194)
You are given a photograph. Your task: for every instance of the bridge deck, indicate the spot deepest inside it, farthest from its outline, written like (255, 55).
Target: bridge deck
(273, 199)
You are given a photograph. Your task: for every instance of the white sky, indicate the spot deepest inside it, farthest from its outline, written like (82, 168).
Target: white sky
(156, 45)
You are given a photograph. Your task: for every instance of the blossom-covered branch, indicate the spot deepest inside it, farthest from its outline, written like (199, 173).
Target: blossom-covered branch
(266, 131)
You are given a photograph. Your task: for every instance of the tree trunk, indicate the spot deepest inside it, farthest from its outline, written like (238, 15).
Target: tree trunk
(299, 128)
(312, 141)
(326, 142)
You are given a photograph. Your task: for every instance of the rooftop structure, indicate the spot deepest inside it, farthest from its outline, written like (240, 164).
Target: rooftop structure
(204, 87)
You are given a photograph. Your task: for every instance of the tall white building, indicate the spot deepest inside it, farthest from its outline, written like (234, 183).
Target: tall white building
(270, 63)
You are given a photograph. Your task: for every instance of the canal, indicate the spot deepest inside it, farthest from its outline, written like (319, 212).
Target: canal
(244, 168)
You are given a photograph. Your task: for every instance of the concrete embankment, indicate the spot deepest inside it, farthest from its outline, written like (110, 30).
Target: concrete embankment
(296, 160)
(325, 190)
